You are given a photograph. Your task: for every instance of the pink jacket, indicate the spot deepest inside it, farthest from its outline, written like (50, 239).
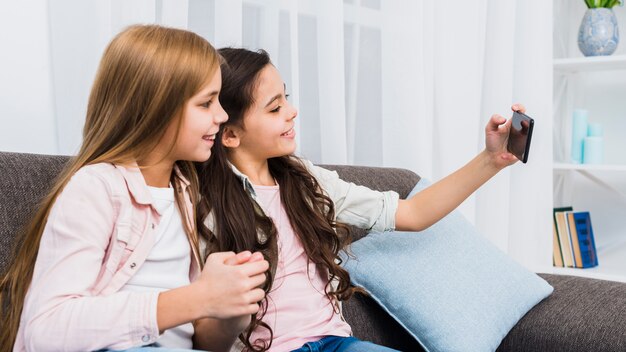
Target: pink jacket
(99, 232)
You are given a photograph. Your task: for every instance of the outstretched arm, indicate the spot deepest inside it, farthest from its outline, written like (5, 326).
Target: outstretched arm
(432, 204)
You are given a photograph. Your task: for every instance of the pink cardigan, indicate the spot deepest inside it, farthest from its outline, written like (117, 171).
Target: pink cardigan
(99, 232)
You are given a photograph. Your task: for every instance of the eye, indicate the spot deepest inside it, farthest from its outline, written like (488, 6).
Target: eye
(287, 96)
(277, 109)
(206, 105)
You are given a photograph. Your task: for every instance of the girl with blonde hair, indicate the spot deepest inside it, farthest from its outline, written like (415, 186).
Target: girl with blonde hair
(111, 259)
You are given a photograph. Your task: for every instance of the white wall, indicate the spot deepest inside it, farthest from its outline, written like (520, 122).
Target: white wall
(27, 121)
(50, 54)
(77, 45)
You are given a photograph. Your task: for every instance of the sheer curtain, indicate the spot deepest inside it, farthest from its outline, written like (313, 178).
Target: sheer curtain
(377, 82)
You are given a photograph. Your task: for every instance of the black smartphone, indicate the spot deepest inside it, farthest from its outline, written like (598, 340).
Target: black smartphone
(520, 135)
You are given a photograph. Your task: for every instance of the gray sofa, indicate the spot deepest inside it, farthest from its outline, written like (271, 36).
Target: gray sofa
(581, 314)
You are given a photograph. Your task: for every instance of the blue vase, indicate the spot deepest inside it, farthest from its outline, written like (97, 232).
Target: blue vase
(598, 33)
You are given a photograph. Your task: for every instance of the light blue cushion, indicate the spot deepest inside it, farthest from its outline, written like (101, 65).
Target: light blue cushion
(448, 286)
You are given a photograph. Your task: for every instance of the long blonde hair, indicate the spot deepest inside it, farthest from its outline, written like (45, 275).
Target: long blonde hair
(146, 75)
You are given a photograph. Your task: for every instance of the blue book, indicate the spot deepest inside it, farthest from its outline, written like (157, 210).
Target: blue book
(586, 242)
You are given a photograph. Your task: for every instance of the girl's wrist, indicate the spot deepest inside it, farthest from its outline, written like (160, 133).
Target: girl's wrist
(492, 161)
(198, 298)
(178, 306)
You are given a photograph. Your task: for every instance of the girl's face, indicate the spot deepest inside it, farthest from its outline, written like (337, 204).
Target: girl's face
(269, 122)
(202, 117)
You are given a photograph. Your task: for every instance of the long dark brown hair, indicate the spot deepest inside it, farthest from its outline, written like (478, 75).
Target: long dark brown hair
(239, 223)
(146, 75)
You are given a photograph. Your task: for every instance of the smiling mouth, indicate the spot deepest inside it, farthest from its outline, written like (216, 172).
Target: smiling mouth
(289, 133)
(209, 137)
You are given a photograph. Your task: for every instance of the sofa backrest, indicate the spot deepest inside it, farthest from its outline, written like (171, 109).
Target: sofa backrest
(26, 178)
(378, 178)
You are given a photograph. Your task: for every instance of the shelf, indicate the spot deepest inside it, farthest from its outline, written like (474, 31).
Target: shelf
(596, 84)
(588, 64)
(592, 273)
(612, 266)
(589, 167)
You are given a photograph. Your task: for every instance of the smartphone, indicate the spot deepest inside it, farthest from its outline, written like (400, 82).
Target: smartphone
(520, 135)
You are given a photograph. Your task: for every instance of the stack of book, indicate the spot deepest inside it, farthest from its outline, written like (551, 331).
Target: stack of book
(574, 245)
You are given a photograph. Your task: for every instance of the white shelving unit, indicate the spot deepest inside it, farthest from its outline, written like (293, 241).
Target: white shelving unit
(612, 263)
(588, 167)
(597, 84)
(588, 64)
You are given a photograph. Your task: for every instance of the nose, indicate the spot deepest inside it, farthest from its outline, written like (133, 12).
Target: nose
(293, 113)
(221, 116)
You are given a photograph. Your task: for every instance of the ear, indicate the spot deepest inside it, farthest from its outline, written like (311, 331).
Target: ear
(230, 137)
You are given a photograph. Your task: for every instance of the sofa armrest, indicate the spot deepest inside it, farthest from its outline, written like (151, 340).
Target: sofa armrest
(581, 315)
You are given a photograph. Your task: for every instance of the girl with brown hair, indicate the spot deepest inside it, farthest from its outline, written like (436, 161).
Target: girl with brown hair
(111, 260)
(258, 196)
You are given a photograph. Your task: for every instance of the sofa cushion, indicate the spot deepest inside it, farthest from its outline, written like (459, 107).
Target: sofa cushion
(448, 286)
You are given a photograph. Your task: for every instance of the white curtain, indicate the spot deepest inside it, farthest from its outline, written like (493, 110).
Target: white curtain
(377, 82)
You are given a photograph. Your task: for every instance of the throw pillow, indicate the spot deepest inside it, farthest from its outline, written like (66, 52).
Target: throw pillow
(448, 286)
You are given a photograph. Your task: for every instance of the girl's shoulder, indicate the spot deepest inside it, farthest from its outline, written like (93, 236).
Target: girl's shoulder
(100, 175)
(98, 171)
(94, 191)
(322, 175)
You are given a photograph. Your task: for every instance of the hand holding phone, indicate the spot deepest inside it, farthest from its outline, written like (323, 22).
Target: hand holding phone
(520, 135)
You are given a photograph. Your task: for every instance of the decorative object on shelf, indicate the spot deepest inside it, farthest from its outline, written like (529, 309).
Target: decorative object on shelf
(593, 145)
(560, 247)
(579, 132)
(598, 33)
(563, 235)
(574, 234)
(581, 235)
(595, 130)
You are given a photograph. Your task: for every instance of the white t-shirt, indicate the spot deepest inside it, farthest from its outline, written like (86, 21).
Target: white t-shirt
(167, 266)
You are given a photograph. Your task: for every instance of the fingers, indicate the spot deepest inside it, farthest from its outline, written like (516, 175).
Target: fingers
(257, 280)
(255, 296)
(230, 258)
(494, 122)
(239, 258)
(497, 120)
(220, 257)
(251, 309)
(255, 268)
(245, 264)
(519, 107)
(240, 277)
(250, 302)
(508, 123)
(256, 256)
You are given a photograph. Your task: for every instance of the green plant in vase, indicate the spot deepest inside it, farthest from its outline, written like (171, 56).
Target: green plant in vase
(594, 4)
